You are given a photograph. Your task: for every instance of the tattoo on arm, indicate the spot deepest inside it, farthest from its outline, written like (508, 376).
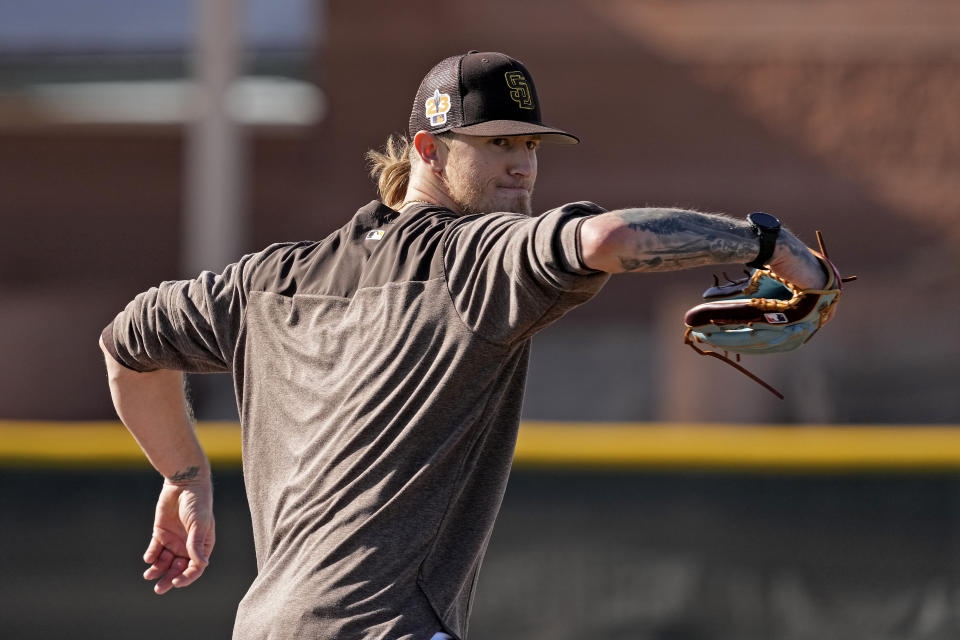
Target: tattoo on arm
(188, 474)
(671, 239)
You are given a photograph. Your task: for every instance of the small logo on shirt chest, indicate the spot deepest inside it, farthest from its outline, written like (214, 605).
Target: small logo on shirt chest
(376, 234)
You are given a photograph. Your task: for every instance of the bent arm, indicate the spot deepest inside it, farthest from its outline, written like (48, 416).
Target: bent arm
(153, 407)
(654, 239)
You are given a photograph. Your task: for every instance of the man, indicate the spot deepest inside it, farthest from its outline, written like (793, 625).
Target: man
(379, 372)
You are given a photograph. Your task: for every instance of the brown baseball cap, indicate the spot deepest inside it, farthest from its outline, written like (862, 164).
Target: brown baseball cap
(481, 94)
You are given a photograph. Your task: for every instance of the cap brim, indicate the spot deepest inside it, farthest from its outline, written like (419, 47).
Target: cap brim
(517, 128)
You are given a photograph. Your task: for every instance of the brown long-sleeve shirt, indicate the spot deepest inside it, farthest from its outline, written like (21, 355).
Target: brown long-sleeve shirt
(379, 375)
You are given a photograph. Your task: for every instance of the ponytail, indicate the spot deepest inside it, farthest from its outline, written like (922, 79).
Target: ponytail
(391, 170)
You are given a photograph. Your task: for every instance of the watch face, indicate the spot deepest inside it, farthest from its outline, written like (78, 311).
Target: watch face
(763, 220)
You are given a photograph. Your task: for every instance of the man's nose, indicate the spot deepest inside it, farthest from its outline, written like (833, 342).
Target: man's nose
(523, 163)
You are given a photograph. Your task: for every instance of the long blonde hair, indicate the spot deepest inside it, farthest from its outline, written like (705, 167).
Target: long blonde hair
(391, 168)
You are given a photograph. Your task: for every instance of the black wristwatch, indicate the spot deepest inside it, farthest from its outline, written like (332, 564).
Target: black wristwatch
(767, 229)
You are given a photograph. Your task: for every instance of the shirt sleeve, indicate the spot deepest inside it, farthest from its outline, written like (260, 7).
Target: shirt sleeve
(187, 325)
(510, 275)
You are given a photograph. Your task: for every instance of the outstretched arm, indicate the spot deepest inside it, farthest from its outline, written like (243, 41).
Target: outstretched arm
(153, 407)
(653, 239)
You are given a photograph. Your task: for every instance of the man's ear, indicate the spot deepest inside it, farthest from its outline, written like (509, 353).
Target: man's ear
(428, 147)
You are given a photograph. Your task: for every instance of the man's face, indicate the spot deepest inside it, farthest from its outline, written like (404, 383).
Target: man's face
(483, 174)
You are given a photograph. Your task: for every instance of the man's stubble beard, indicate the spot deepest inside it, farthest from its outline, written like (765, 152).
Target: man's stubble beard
(470, 199)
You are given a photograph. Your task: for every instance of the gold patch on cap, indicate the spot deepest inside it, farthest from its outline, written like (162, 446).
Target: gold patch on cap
(437, 107)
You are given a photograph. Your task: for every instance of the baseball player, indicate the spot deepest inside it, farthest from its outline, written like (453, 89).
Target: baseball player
(379, 372)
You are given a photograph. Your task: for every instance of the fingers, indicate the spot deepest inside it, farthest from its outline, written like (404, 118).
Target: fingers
(199, 545)
(170, 568)
(189, 575)
(177, 567)
(160, 566)
(153, 551)
(177, 571)
(197, 542)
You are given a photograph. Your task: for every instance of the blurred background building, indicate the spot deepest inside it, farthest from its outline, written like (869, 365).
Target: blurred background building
(133, 151)
(833, 115)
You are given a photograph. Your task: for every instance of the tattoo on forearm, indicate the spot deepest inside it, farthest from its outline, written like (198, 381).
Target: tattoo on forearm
(188, 474)
(668, 239)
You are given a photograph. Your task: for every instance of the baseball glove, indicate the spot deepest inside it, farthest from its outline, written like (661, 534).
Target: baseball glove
(761, 313)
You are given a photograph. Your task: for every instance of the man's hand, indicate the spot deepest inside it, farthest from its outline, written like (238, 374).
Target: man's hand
(183, 531)
(796, 263)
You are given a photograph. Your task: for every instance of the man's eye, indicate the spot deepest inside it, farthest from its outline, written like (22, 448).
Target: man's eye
(500, 142)
(533, 144)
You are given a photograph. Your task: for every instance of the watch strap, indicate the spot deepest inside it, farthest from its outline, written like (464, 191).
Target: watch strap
(768, 241)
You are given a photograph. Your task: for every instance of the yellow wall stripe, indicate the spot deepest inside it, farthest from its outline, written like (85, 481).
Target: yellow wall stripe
(738, 446)
(100, 444)
(639, 445)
